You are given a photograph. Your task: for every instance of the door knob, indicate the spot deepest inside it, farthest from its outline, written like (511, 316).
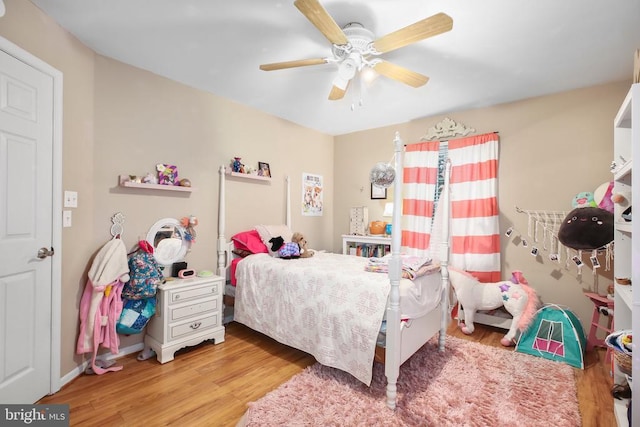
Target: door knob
(44, 252)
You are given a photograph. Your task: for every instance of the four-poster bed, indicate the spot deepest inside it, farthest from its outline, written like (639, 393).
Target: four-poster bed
(330, 307)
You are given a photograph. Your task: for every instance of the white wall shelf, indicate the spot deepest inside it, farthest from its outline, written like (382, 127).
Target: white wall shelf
(125, 182)
(248, 176)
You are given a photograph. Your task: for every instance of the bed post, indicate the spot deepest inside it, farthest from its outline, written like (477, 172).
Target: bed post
(288, 207)
(392, 350)
(444, 255)
(222, 249)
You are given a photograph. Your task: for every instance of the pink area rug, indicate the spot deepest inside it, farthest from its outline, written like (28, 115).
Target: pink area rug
(470, 384)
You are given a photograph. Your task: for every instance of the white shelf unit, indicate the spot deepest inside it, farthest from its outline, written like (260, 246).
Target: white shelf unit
(367, 246)
(124, 181)
(626, 134)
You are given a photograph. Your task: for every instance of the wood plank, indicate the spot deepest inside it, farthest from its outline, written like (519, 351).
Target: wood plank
(212, 384)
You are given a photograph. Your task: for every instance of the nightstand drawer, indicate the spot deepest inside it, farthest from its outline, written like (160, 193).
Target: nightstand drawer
(182, 330)
(182, 312)
(186, 294)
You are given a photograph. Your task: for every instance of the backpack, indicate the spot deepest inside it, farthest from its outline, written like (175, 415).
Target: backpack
(145, 276)
(135, 315)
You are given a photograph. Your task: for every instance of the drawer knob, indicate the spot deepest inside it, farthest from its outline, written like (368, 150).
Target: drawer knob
(178, 296)
(195, 325)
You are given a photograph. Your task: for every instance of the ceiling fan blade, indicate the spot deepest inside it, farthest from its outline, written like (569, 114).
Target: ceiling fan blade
(319, 17)
(337, 93)
(428, 27)
(292, 64)
(400, 74)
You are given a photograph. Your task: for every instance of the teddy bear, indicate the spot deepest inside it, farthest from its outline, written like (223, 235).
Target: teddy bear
(302, 243)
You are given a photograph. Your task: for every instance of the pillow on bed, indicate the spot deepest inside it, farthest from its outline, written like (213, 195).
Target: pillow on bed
(267, 232)
(242, 253)
(249, 241)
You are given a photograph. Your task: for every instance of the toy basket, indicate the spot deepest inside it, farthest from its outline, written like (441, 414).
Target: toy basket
(621, 344)
(623, 361)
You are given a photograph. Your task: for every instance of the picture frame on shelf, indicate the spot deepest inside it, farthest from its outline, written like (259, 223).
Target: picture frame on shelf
(264, 169)
(378, 192)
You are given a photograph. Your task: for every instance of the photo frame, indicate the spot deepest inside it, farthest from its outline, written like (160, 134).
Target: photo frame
(264, 169)
(378, 192)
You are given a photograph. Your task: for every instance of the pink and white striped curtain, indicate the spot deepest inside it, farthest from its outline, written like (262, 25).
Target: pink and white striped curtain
(474, 225)
(420, 178)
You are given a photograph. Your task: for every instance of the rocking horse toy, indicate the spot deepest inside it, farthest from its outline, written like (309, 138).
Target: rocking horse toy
(517, 297)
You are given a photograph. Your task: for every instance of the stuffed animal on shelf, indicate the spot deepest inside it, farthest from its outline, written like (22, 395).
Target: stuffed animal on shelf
(302, 243)
(517, 297)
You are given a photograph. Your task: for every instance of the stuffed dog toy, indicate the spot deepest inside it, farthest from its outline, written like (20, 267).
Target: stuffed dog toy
(302, 243)
(297, 248)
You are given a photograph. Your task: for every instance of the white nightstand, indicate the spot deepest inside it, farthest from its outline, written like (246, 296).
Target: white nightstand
(367, 246)
(189, 311)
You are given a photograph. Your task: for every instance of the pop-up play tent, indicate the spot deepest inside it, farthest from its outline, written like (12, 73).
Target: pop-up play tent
(556, 334)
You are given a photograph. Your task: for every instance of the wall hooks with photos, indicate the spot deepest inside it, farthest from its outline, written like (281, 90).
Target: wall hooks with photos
(542, 227)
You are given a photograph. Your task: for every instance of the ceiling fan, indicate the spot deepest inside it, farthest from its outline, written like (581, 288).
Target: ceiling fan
(354, 47)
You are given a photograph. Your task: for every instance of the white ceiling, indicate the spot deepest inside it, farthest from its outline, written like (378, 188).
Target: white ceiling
(498, 51)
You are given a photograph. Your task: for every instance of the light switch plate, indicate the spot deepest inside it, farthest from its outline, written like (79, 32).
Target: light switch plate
(70, 199)
(66, 218)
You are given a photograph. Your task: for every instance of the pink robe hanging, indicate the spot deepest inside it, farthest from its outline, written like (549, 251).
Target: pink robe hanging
(101, 303)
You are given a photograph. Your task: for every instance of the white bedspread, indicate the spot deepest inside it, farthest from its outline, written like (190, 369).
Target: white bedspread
(326, 305)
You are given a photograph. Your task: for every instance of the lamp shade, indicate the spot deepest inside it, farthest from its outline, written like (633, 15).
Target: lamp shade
(388, 210)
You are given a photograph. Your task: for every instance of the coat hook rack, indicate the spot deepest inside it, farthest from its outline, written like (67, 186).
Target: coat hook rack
(117, 228)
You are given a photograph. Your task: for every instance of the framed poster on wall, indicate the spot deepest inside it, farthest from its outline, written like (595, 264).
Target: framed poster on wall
(312, 194)
(378, 192)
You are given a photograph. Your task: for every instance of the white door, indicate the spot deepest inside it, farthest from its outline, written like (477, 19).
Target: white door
(26, 171)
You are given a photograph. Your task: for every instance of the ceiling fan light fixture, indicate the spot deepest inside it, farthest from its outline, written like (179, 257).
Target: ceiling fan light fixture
(347, 68)
(354, 48)
(368, 74)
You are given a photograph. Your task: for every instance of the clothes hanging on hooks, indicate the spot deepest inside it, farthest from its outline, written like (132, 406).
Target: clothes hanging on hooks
(101, 305)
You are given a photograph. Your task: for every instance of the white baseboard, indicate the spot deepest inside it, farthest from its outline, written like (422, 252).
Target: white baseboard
(78, 370)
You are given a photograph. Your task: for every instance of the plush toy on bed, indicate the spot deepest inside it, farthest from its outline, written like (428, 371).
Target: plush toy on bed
(297, 248)
(302, 244)
(285, 250)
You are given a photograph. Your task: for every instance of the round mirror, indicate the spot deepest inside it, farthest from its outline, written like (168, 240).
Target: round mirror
(168, 238)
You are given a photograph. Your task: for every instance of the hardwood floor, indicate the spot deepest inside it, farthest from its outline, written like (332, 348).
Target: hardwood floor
(210, 385)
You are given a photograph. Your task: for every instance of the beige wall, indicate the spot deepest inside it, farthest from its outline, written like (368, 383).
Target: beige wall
(122, 120)
(551, 148)
(25, 26)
